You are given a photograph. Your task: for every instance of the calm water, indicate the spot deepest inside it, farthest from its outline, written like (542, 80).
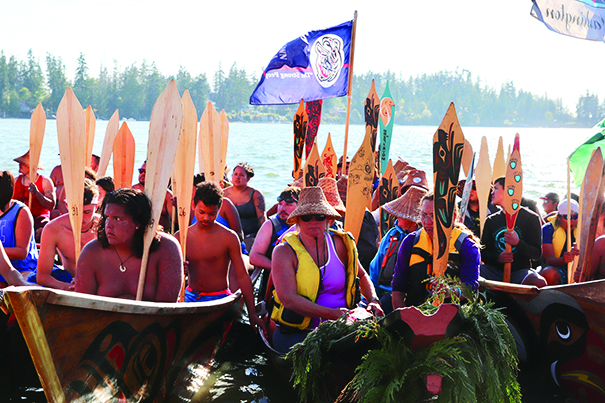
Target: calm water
(243, 372)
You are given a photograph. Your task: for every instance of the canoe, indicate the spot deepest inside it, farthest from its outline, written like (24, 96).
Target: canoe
(109, 349)
(345, 354)
(559, 328)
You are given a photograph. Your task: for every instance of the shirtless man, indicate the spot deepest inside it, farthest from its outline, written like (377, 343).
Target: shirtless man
(210, 248)
(58, 237)
(165, 218)
(110, 265)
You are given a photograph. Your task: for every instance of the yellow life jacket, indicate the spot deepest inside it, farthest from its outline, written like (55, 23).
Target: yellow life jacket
(559, 237)
(308, 280)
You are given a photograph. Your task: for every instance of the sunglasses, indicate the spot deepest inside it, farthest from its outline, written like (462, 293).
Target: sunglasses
(309, 217)
(287, 199)
(573, 217)
(142, 170)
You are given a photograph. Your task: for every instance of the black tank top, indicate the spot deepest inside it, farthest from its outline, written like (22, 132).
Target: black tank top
(248, 217)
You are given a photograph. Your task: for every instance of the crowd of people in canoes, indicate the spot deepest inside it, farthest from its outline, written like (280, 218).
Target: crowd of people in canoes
(314, 270)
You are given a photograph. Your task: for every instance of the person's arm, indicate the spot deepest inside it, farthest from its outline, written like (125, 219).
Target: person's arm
(490, 253)
(24, 229)
(470, 261)
(232, 217)
(597, 257)
(46, 258)
(398, 299)
(261, 245)
(170, 270)
(259, 205)
(46, 196)
(368, 291)
(283, 265)
(400, 272)
(12, 276)
(531, 244)
(86, 277)
(243, 280)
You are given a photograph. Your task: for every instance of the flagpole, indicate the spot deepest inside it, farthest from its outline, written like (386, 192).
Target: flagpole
(349, 88)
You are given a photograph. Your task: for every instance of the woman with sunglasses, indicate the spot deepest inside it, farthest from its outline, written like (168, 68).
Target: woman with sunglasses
(315, 272)
(554, 243)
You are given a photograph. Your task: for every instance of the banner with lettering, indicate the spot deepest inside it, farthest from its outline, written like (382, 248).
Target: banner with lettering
(584, 19)
(312, 67)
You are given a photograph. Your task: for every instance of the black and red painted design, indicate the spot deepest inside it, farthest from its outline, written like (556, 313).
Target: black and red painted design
(313, 109)
(300, 131)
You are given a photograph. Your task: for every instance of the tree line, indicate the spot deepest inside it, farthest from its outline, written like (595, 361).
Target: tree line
(420, 100)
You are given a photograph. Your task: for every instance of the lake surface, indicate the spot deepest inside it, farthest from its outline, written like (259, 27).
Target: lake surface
(243, 372)
(268, 148)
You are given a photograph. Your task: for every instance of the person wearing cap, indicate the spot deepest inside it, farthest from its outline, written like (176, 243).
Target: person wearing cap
(550, 204)
(406, 209)
(16, 228)
(415, 259)
(525, 241)
(42, 192)
(58, 237)
(315, 272)
(339, 172)
(554, 243)
(269, 233)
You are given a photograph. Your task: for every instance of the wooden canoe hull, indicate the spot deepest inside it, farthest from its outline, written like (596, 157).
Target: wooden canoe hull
(107, 349)
(561, 327)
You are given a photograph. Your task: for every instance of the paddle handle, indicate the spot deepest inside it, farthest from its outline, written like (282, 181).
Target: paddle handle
(570, 264)
(506, 277)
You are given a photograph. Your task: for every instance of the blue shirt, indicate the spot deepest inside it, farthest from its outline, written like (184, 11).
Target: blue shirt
(375, 264)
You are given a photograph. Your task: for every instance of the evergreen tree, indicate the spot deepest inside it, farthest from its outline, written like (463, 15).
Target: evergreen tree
(56, 81)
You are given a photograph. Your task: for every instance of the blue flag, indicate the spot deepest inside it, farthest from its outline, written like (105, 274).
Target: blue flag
(312, 67)
(584, 19)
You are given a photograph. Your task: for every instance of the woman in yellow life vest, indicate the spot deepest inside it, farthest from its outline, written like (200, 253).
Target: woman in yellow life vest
(316, 273)
(554, 243)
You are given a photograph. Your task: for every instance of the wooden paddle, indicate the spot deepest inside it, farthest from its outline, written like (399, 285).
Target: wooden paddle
(71, 130)
(591, 199)
(499, 163)
(37, 126)
(467, 157)
(211, 142)
(466, 193)
(300, 121)
(328, 158)
(570, 265)
(359, 186)
(314, 169)
(164, 131)
(90, 133)
(123, 157)
(385, 123)
(183, 169)
(388, 187)
(483, 181)
(448, 146)
(110, 134)
(371, 110)
(224, 143)
(313, 109)
(513, 191)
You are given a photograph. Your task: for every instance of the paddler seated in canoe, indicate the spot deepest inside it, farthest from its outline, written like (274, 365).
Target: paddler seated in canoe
(210, 249)
(525, 240)
(315, 272)
(406, 209)
(471, 217)
(61, 207)
(249, 202)
(110, 265)
(165, 217)
(554, 243)
(42, 192)
(105, 185)
(415, 259)
(8, 272)
(58, 237)
(550, 204)
(16, 229)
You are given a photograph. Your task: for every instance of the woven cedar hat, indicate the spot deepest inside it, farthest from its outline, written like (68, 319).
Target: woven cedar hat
(312, 201)
(24, 159)
(330, 189)
(342, 184)
(415, 177)
(399, 166)
(407, 206)
(299, 183)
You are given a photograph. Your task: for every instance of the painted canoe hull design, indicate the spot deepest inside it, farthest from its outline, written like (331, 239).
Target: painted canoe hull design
(562, 327)
(107, 349)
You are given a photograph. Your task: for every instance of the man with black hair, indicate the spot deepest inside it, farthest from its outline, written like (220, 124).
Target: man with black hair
(110, 265)
(210, 249)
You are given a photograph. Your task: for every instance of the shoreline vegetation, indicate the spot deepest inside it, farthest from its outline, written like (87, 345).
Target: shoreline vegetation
(419, 100)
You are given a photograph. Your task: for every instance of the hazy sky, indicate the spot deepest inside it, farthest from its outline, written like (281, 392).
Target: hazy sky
(496, 41)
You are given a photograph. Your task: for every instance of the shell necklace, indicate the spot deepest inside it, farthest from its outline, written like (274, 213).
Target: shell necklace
(122, 262)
